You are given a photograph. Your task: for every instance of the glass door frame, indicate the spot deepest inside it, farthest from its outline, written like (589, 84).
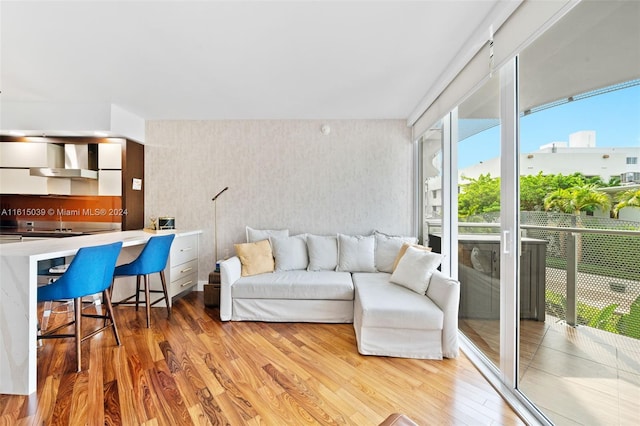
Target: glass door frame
(505, 377)
(509, 223)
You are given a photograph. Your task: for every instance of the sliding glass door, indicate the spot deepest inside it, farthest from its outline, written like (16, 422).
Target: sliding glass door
(580, 130)
(478, 213)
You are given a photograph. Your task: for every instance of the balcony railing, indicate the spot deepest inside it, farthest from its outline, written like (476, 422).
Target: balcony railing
(592, 272)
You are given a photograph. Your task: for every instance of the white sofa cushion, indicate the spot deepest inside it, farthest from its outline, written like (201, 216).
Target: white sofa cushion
(356, 253)
(290, 253)
(323, 252)
(387, 249)
(254, 235)
(327, 285)
(387, 305)
(415, 269)
(403, 249)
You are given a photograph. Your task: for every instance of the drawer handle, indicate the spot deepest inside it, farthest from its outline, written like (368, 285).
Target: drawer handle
(186, 284)
(186, 249)
(186, 270)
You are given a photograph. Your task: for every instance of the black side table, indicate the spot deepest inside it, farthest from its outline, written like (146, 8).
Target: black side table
(212, 290)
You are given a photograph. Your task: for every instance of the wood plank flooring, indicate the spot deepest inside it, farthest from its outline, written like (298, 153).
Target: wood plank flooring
(192, 369)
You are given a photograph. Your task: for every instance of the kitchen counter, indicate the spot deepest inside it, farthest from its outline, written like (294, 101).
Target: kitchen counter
(18, 297)
(52, 233)
(43, 234)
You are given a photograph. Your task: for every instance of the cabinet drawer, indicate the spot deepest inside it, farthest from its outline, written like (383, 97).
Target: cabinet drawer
(183, 284)
(187, 268)
(184, 249)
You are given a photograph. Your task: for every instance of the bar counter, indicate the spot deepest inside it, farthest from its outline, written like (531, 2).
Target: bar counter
(18, 297)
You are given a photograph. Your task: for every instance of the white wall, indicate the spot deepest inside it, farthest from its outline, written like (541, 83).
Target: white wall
(280, 174)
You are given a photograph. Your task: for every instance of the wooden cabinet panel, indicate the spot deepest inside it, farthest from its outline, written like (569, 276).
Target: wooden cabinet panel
(132, 199)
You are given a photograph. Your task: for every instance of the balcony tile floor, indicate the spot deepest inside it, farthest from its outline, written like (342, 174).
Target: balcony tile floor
(575, 375)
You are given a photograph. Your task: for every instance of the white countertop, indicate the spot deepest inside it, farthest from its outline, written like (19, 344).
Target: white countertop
(59, 247)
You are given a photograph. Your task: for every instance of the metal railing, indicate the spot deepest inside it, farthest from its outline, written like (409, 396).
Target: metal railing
(592, 274)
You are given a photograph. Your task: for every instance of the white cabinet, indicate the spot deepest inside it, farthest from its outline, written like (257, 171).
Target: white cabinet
(183, 264)
(31, 154)
(110, 165)
(110, 156)
(17, 157)
(18, 181)
(181, 271)
(110, 182)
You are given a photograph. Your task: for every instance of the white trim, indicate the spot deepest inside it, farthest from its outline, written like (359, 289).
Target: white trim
(494, 20)
(523, 25)
(509, 229)
(418, 192)
(450, 193)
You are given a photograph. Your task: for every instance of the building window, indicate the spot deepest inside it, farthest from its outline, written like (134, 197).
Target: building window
(632, 160)
(434, 194)
(630, 177)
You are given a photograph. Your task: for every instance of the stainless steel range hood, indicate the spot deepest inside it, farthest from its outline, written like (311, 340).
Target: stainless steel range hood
(63, 173)
(80, 162)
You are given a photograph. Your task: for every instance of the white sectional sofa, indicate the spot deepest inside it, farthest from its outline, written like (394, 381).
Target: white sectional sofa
(400, 306)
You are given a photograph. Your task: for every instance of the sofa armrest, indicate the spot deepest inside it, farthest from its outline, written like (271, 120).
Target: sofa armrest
(230, 271)
(445, 292)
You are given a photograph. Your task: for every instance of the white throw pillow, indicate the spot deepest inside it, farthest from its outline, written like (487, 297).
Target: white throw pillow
(254, 235)
(387, 248)
(290, 252)
(356, 253)
(323, 252)
(415, 269)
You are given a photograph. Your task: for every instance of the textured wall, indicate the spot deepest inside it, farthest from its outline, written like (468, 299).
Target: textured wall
(280, 174)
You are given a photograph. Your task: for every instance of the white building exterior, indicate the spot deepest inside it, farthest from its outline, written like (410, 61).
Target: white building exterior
(580, 155)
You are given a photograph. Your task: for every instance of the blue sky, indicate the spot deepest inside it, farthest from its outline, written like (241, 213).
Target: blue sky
(615, 117)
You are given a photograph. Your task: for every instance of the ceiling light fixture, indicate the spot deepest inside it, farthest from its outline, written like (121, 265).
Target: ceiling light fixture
(325, 129)
(101, 134)
(17, 133)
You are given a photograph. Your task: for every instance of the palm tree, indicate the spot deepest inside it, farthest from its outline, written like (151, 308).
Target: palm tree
(629, 198)
(574, 200)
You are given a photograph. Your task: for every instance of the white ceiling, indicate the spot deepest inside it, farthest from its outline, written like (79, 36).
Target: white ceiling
(236, 59)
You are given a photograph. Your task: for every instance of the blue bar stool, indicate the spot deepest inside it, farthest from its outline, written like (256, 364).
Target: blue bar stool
(152, 259)
(90, 272)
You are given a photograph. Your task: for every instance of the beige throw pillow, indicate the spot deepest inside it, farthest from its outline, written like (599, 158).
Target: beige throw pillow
(404, 248)
(256, 258)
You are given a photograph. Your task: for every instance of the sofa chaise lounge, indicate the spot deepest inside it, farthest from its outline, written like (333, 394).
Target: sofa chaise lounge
(388, 287)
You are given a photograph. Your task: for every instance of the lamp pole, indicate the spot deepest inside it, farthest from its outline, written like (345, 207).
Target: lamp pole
(215, 225)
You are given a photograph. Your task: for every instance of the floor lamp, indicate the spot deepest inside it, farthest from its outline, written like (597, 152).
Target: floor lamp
(215, 225)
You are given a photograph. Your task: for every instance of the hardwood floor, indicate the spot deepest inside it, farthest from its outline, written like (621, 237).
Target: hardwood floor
(194, 369)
